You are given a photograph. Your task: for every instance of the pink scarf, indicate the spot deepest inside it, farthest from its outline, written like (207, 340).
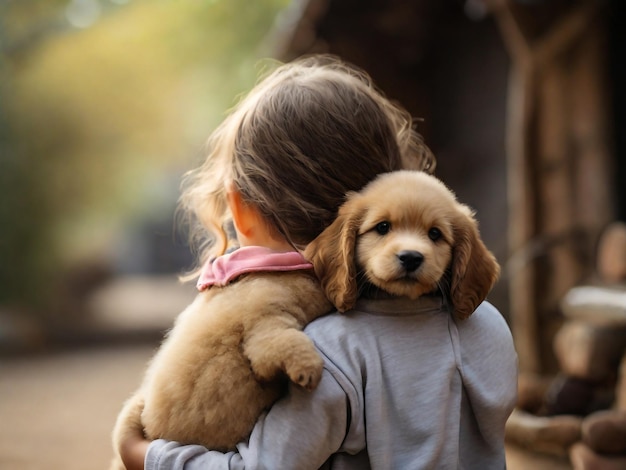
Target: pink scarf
(220, 271)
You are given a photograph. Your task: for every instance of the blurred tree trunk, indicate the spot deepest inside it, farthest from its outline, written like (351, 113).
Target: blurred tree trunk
(559, 161)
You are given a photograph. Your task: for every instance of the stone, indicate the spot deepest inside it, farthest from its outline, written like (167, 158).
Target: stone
(548, 435)
(588, 351)
(531, 391)
(605, 432)
(620, 389)
(611, 256)
(584, 458)
(598, 305)
(568, 395)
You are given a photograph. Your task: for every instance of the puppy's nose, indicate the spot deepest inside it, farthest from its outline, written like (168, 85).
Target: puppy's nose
(410, 260)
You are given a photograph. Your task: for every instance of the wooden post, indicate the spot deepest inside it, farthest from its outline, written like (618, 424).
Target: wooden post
(534, 142)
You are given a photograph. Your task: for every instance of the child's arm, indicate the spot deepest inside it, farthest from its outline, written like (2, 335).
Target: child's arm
(133, 451)
(300, 431)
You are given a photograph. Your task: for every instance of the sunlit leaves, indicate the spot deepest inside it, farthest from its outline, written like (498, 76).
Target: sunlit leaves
(97, 112)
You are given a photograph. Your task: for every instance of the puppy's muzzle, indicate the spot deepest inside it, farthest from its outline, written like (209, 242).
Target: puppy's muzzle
(410, 260)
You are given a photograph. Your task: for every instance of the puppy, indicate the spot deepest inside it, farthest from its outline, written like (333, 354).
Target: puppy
(225, 361)
(404, 235)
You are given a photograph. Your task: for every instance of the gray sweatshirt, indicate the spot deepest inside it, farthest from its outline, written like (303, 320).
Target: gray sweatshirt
(405, 386)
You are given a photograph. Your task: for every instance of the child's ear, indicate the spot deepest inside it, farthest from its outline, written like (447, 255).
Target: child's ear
(244, 215)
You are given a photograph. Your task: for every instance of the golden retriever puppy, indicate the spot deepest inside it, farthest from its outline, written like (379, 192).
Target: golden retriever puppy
(226, 360)
(404, 234)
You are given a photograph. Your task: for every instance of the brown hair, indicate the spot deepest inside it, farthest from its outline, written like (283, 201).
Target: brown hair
(308, 133)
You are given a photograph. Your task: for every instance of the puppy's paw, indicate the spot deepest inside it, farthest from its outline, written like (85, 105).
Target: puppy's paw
(305, 371)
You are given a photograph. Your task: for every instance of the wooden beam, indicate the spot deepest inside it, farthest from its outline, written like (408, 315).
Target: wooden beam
(529, 58)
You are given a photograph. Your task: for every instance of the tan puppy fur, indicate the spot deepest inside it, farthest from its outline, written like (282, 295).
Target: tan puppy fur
(222, 363)
(406, 235)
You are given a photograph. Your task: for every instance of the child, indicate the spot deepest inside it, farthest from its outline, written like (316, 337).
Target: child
(307, 134)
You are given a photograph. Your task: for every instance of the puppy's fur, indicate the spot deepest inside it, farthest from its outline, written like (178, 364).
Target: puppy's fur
(221, 365)
(404, 234)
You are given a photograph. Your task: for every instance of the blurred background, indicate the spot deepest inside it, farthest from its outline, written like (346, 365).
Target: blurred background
(104, 104)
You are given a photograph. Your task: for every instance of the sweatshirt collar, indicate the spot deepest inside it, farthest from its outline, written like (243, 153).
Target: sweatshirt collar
(401, 306)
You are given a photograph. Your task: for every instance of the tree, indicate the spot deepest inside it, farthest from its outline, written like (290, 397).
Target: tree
(94, 119)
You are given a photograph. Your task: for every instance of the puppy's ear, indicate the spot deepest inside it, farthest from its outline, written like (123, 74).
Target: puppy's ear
(474, 269)
(332, 254)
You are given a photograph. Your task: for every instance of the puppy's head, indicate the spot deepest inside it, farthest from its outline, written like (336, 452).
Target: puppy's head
(405, 234)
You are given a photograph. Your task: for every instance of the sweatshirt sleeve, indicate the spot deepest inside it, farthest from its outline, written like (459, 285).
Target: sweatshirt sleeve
(301, 431)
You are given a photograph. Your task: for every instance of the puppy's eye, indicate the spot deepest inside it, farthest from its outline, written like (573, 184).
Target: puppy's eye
(383, 228)
(434, 234)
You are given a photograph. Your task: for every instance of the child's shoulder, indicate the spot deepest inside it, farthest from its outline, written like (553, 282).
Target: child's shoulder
(485, 317)
(486, 330)
(339, 329)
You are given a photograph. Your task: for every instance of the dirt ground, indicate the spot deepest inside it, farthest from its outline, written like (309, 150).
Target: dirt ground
(57, 411)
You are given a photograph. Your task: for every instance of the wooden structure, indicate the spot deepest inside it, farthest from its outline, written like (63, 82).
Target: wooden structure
(514, 97)
(559, 162)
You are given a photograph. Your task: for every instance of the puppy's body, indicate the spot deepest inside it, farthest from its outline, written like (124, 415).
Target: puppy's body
(222, 363)
(404, 235)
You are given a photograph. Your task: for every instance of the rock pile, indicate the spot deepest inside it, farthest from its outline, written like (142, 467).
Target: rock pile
(580, 413)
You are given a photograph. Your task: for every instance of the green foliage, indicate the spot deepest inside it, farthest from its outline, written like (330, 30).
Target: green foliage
(94, 120)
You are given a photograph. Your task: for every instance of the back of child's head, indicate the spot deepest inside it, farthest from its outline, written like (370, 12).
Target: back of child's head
(308, 133)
